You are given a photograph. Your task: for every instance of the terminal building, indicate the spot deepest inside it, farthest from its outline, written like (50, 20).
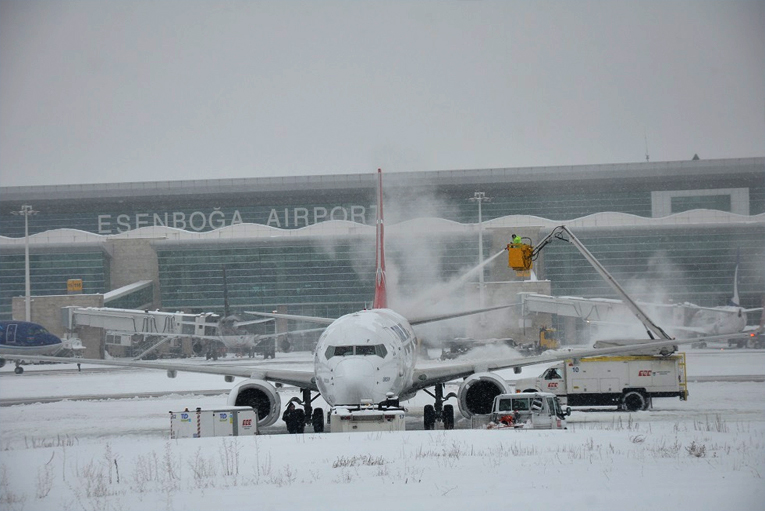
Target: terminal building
(673, 231)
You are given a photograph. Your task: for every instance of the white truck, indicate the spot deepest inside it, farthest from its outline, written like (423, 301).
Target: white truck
(629, 382)
(528, 410)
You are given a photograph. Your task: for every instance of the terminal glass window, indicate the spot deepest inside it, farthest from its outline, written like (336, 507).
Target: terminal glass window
(719, 202)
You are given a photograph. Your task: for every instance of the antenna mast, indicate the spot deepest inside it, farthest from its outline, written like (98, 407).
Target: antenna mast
(645, 136)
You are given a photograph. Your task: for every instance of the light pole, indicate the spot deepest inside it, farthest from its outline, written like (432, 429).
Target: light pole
(480, 197)
(26, 212)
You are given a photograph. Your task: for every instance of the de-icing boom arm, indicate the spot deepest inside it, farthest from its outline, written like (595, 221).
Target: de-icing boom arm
(654, 330)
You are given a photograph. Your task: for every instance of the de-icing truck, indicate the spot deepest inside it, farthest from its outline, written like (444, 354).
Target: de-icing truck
(629, 382)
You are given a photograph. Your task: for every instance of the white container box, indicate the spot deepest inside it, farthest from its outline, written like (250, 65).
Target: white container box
(230, 421)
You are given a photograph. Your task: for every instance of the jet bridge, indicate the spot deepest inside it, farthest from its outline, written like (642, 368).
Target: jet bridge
(588, 309)
(165, 325)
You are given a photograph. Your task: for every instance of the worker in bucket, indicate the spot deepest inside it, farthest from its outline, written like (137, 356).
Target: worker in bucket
(516, 239)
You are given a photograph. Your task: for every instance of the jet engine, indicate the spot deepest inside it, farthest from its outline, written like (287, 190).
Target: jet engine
(261, 396)
(477, 392)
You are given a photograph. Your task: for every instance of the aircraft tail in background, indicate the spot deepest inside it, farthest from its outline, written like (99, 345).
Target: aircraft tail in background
(734, 301)
(381, 295)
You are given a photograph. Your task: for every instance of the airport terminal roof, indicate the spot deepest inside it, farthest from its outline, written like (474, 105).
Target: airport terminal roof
(642, 171)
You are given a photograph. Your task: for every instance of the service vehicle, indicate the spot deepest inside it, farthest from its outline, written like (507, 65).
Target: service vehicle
(344, 419)
(629, 381)
(528, 410)
(545, 342)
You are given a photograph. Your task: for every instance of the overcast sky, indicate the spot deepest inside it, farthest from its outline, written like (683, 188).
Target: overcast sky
(95, 91)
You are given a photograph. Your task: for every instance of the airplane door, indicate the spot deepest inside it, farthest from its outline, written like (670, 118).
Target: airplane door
(10, 334)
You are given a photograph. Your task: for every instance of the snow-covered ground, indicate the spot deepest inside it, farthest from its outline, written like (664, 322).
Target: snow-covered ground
(704, 453)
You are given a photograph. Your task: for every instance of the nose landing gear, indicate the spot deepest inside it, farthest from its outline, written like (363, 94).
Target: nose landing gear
(309, 415)
(438, 412)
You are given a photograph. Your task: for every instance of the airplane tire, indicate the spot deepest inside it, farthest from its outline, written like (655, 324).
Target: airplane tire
(18, 370)
(429, 416)
(634, 401)
(317, 420)
(448, 416)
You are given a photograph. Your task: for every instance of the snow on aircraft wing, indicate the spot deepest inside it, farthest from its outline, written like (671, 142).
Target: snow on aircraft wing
(309, 319)
(297, 377)
(426, 377)
(412, 320)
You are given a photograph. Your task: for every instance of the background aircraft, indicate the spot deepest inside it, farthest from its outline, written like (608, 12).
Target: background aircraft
(26, 339)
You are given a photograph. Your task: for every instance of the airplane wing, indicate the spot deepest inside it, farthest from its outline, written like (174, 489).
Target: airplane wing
(412, 320)
(296, 377)
(310, 319)
(442, 373)
(439, 317)
(253, 322)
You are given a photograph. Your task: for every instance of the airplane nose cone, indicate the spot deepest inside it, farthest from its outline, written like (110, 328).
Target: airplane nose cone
(354, 381)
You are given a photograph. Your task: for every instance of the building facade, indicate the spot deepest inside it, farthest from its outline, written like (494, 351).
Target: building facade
(306, 244)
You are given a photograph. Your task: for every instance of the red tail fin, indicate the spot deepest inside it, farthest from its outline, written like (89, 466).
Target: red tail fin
(381, 295)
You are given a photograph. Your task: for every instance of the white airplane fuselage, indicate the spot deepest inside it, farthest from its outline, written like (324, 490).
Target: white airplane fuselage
(724, 320)
(364, 357)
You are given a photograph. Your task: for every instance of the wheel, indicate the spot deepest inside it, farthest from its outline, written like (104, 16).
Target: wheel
(448, 416)
(18, 370)
(429, 415)
(299, 421)
(317, 420)
(634, 401)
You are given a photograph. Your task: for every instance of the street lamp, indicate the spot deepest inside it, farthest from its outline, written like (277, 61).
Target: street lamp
(480, 197)
(26, 212)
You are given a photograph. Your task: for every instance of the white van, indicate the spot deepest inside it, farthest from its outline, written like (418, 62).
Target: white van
(528, 410)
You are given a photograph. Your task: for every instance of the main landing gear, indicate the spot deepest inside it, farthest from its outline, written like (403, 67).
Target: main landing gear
(18, 369)
(439, 412)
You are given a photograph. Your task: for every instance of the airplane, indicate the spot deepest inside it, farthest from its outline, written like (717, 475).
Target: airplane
(726, 319)
(25, 338)
(370, 356)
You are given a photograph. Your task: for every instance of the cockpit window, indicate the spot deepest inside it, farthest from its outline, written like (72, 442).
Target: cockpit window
(343, 351)
(365, 350)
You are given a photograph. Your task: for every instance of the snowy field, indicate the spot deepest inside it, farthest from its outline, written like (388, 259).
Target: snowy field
(115, 453)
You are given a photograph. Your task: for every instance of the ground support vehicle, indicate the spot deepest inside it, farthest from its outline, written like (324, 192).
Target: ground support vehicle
(756, 340)
(629, 382)
(528, 410)
(344, 419)
(546, 342)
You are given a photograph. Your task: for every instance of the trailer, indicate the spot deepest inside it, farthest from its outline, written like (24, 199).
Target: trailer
(230, 421)
(630, 382)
